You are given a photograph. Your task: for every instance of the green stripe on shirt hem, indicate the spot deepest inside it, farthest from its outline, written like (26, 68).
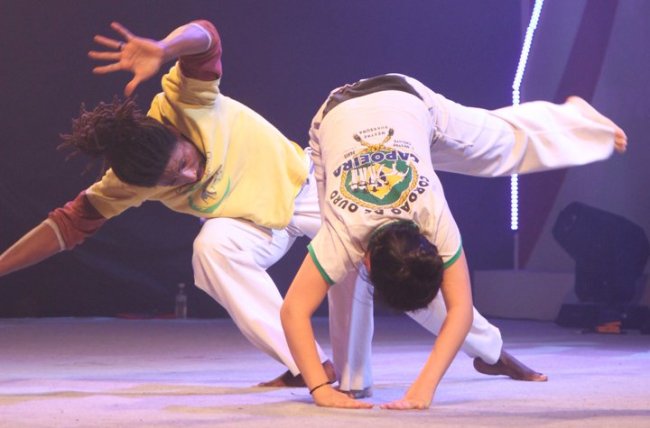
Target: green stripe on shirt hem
(453, 259)
(324, 274)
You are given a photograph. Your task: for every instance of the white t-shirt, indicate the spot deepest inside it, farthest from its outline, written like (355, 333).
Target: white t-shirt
(373, 166)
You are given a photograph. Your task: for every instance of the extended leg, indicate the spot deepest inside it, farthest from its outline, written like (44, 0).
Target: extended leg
(483, 343)
(533, 136)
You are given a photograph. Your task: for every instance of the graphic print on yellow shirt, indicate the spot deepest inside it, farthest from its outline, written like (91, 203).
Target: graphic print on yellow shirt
(205, 196)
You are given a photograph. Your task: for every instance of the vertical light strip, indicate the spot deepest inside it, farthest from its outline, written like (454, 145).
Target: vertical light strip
(516, 95)
(525, 51)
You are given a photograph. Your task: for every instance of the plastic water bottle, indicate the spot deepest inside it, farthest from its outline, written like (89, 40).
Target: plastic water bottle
(181, 302)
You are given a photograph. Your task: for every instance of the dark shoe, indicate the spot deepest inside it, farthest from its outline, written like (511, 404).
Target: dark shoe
(288, 380)
(358, 393)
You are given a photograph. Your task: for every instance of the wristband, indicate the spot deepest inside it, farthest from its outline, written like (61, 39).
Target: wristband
(329, 382)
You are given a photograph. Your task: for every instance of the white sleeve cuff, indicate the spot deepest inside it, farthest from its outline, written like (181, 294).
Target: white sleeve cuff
(57, 232)
(206, 32)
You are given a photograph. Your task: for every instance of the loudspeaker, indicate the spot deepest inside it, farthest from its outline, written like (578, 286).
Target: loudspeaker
(589, 316)
(610, 253)
(581, 316)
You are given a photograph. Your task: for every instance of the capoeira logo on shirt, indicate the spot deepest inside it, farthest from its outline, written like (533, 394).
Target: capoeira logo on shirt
(378, 177)
(205, 196)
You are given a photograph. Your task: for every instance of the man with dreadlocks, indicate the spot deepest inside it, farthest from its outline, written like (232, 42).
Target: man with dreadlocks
(200, 153)
(205, 154)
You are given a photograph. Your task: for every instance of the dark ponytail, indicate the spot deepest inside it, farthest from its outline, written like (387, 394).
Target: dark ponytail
(405, 268)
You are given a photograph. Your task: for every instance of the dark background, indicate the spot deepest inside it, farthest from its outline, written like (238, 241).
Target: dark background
(281, 58)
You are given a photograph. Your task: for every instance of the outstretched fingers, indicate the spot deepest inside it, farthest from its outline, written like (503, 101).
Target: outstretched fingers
(352, 404)
(130, 87)
(122, 30)
(115, 45)
(137, 55)
(104, 56)
(404, 404)
(108, 42)
(110, 68)
(114, 55)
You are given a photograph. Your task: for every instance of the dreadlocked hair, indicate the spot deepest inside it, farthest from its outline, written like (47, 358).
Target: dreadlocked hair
(136, 147)
(405, 268)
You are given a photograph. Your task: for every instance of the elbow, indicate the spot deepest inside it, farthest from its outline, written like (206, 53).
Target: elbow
(292, 315)
(466, 318)
(286, 314)
(462, 318)
(469, 320)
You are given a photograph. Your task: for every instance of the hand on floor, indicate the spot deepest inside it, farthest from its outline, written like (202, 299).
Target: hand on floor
(405, 404)
(329, 397)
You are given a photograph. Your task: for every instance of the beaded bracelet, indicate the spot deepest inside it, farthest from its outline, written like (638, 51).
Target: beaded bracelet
(329, 382)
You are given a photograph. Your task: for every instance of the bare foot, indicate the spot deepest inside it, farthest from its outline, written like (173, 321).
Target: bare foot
(620, 139)
(511, 367)
(286, 379)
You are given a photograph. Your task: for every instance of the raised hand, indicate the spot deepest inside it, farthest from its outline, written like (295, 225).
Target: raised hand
(140, 56)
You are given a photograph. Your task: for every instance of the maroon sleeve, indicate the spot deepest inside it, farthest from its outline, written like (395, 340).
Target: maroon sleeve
(206, 65)
(77, 220)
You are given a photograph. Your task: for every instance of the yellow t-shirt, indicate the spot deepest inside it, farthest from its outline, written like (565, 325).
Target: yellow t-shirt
(252, 171)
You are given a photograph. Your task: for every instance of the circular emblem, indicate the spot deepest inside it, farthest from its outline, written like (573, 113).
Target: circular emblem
(383, 179)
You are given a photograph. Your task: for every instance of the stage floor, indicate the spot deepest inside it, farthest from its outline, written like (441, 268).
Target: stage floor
(102, 372)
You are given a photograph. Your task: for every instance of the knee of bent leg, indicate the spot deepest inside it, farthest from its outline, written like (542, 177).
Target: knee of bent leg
(217, 236)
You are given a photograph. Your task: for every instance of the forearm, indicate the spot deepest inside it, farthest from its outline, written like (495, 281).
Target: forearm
(451, 337)
(35, 246)
(457, 294)
(302, 344)
(185, 40)
(305, 294)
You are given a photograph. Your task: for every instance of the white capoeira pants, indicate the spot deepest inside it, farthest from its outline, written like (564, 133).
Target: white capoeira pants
(530, 137)
(230, 261)
(231, 256)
